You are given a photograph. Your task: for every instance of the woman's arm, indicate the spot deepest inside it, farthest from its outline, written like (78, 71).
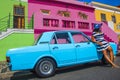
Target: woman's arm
(94, 40)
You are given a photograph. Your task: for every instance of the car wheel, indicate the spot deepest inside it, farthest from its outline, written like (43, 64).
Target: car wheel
(45, 67)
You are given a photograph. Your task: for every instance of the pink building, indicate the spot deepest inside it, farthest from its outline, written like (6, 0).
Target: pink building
(63, 15)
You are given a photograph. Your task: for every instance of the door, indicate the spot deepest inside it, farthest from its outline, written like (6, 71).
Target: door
(85, 50)
(63, 50)
(19, 17)
(19, 22)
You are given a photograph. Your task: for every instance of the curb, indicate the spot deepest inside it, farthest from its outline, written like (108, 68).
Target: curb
(18, 74)
(4, 71)
(6, 75)
(11, 74)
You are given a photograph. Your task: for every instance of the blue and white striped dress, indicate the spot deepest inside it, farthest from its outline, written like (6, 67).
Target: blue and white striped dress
(100, 38)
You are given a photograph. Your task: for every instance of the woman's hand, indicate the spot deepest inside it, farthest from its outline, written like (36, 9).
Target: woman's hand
(99, 43)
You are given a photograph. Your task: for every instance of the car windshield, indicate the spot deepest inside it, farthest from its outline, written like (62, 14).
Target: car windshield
(36, 41)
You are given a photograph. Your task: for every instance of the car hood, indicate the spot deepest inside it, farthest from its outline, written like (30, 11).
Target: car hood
(28, 49)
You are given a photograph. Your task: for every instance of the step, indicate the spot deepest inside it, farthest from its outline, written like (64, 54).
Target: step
(10, 31)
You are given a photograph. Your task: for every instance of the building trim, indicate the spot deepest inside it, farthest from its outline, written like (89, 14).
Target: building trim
(100, 5)
(108, 10)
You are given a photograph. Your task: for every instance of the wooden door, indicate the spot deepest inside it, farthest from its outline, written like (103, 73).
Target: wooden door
(19, 17)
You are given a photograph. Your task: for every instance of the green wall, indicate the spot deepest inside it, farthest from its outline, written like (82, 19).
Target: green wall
(15, 40)
(7, 6)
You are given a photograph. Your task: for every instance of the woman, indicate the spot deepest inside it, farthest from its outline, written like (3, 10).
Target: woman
(102, 45)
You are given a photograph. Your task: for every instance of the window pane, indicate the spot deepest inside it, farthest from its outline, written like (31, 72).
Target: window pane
(118, 26)
(68, 24)
(50, 22)
(19, 11)
(63, 38)
(53, 41)
(78, 38)
(103, 17)
(83, 25)
(113, 18)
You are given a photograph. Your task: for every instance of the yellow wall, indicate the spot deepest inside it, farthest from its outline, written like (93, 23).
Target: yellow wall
(108, 17)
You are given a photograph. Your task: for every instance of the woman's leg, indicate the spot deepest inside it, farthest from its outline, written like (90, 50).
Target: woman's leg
(111, 54)
(108, 59)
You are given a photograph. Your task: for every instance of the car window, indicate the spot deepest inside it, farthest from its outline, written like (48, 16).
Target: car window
(53, 41)
(63, 38)
(79, 38)
(36, 41)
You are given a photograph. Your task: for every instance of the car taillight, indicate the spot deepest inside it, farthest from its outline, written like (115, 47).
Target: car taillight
(8, 59)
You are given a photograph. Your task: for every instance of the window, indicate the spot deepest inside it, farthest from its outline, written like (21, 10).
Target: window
(79, 38)
(103, 17)
(45, 12)
(83, 25)
(18, 10)
(53, 41)
(68, 24)
(46, 22)
(36, 41)
(118, 26)
(63, 38)
(113, 18)
(64, 13)
(83, 15)
(50, 22)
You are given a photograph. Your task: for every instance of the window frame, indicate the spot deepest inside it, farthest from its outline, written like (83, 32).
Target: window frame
(55, 35)
(55, 39)
(103, 17)
(113, 18)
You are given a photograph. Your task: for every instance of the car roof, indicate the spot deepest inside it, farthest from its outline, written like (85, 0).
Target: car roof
(65, 31)
(46, 38)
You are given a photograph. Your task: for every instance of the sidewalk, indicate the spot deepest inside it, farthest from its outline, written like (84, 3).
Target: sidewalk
(4, 73)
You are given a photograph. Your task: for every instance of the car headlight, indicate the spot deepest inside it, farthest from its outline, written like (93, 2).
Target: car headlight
(8, 59)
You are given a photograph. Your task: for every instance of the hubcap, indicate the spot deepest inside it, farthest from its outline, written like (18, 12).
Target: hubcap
(46, 67)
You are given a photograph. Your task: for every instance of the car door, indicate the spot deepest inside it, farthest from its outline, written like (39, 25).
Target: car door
(85, 50)
(62, 48)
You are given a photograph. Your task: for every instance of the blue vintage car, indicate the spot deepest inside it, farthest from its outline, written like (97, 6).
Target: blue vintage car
(53, 50)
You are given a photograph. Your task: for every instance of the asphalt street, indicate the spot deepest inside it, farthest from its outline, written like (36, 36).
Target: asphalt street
(91, 71)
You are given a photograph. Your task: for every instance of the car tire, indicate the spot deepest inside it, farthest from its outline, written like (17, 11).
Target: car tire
(45, 67)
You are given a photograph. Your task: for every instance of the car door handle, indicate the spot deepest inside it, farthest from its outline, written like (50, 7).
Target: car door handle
(55, 48)
(77, 46)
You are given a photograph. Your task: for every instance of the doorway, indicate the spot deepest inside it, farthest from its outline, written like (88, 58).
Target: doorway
(19, 17)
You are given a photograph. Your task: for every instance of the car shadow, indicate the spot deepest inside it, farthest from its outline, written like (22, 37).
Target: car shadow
(80, 67)
(26, 75)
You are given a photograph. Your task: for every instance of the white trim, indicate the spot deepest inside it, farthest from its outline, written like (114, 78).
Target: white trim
(24, 0)
(10, 31)
(106, 9)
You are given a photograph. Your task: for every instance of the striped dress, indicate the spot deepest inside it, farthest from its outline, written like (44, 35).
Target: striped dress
(100, 38)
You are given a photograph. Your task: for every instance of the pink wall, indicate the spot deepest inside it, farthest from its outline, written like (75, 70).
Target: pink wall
(54, 8)
(35, 6)
(110, 35)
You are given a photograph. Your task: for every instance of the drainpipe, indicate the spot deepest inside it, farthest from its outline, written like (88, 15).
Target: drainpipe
(32, 21)
(20, 3)
(8, 21)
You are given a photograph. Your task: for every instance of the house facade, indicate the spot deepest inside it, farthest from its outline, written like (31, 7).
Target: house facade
(65, 15)
(14, 14)
(49, 15)
(109, 14)
(61, 15)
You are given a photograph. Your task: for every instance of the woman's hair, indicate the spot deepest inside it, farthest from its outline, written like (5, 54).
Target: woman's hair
(97, 30)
